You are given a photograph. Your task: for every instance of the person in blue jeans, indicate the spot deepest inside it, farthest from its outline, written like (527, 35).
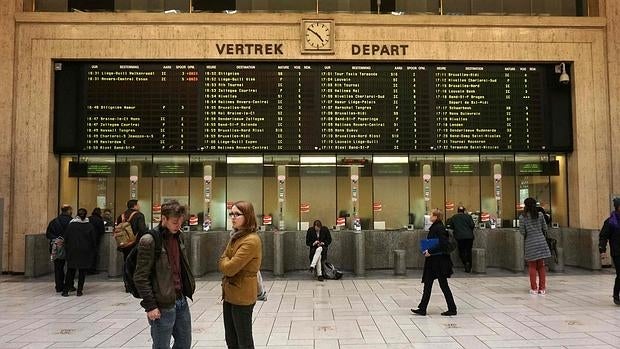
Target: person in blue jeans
(164, 280)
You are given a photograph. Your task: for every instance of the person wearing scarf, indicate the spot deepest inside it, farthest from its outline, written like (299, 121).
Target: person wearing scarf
(239, 263)
(611, 232)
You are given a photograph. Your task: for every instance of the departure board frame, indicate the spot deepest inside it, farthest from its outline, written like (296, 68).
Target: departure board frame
(110, 107)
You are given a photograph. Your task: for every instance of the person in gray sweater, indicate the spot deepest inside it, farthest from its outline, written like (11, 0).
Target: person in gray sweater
(533, 227)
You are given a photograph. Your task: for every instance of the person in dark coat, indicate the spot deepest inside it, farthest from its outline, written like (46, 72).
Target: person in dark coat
(318, 239)
(463, 226)
(437, 265)
(97, 221)
(55, 233)
(80, 247)
(611, 232)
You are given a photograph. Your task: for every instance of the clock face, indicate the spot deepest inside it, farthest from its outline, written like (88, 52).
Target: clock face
(318, 36)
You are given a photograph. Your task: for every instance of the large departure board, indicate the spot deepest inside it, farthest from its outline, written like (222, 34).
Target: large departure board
(222, 106)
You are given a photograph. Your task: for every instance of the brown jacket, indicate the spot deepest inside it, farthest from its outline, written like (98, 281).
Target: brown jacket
(239, 263)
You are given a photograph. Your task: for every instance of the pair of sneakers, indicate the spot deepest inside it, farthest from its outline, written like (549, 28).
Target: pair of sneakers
(538, 292)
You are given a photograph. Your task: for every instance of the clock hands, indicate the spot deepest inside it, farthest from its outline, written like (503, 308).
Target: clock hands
(317, 34)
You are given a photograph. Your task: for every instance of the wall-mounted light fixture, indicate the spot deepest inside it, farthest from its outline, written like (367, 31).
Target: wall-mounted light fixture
(561, 69)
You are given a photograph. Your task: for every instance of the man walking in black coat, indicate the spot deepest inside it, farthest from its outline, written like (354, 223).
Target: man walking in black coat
(611, 232)
(55, 233)
(80, 247)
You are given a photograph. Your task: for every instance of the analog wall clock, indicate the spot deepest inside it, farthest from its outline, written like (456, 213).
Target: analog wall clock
(317, 36)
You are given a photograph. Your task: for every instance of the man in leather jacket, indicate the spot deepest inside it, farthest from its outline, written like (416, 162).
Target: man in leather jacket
(164, 280)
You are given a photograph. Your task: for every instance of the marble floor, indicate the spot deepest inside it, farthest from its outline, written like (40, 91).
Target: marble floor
(494, 311)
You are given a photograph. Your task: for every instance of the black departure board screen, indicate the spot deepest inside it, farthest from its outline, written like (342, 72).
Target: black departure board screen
(222, 106)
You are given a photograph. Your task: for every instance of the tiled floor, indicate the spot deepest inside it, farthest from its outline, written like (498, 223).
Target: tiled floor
(494, 311)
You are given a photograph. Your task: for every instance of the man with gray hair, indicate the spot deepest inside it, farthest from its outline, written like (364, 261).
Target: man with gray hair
(463, 226)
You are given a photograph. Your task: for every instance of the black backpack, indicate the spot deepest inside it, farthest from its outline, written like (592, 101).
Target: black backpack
(331, 272)
(132, 258)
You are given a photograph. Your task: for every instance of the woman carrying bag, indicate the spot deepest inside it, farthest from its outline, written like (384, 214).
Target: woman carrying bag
(533, 227)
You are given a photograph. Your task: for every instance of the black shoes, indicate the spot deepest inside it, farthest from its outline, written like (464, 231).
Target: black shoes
(72, 289)
(321, 278)
(311, 269)
(617, 301)
(79, 293)
(419, 312)
(449, 313)
(65, 294)
(467, 268)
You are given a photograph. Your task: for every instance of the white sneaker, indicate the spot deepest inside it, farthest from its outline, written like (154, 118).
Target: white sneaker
(533, 292)
(542, 292)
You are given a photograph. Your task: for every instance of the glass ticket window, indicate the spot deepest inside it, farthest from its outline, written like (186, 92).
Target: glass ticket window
(462, 181)
(207, 193)
(170, 182)
(134, 180)
(354, 196)
(426, 187)
(390, 185)
(244, 182)
(96, 181)
(281, 187)
(422, 7)
(559, 195)
(318, 187)
(533, 174)
(497, 189)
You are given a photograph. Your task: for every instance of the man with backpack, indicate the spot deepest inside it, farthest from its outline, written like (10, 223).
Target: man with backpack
(164, 281)
(55, 233)
(137, 222)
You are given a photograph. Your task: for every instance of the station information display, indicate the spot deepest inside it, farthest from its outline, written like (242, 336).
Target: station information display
(119, 107)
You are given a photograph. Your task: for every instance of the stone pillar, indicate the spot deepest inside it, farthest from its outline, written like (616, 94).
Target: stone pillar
(400, 262)
(278, 253)
(359, 265)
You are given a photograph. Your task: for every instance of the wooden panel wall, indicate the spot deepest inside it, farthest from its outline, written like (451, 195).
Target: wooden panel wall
(42, 37)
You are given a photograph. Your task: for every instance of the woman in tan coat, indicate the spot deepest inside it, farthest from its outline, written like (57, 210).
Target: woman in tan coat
(239, 263)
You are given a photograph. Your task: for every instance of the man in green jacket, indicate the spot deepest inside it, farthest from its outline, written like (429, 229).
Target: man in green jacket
(164, 280)
(463, 227)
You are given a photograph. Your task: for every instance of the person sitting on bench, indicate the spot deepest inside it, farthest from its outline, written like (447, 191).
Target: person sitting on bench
(318, 239)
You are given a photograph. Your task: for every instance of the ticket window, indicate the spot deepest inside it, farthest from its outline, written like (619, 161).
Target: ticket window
(426, 187)
(96, 182)
(497, 188)
(281, 192)
(170, 175)
(390, 187)
(533, 174)
(244, 182)
(207, 193)
(318, 191)
(463, 184)
(134, 180)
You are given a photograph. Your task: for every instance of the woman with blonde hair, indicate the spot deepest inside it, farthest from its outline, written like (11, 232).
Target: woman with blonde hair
(533, 227)
(239, 263)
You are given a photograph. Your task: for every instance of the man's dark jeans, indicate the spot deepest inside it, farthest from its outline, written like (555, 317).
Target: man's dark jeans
(174, 322)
